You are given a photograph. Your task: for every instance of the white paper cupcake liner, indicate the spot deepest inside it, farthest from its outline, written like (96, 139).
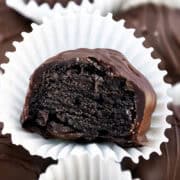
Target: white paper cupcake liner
(174, 93)
(72, 31)
(107, 6)
(36, 12)
(83, 167)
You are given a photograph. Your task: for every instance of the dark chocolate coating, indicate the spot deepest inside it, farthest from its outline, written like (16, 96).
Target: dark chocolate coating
(107, 98)
(17, 164)
(167, 166)
(11, 25)
(63, 2)
(160, 26)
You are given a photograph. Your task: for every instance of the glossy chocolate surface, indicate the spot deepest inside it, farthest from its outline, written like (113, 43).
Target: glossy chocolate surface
(16, 163)
(124, 82)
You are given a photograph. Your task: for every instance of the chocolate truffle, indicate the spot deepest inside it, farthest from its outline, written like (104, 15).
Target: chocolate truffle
(160, 26)
(89, 95)
(63, 2)
(17, 164)
(167, 166)
(11, 25)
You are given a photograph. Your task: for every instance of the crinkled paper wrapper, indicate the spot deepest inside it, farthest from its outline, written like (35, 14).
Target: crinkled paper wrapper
(66, 32)
(83, 167)
(36, 12)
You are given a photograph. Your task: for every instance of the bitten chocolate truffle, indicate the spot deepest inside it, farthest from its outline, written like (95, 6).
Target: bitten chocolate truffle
(160, 26)
(89, 95)
(63, 2)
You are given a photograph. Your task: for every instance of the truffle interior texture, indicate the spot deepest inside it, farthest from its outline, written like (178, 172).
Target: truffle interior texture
(81, 99)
